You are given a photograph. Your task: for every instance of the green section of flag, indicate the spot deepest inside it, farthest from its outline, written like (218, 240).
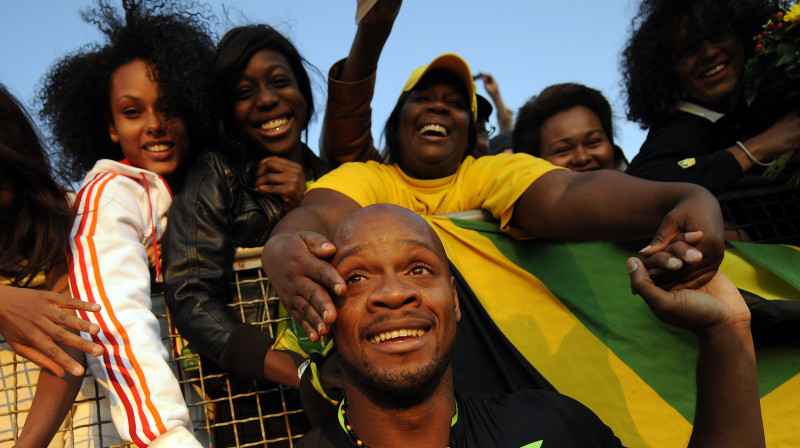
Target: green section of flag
(590, 280)
(534, 444)
(781, 260)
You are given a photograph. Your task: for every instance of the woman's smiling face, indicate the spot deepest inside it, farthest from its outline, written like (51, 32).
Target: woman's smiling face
(269, 109)
(433, 129)
(709, 67)
(149, 139)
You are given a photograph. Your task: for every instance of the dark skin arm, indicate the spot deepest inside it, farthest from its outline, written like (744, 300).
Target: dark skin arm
(54, 394)
(783, 136)
(372, 33)
(579, 205)
(361, 63)
(728, 411)
(587, 206)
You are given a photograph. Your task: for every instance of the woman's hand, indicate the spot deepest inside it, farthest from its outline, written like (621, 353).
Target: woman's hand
(688, 247)
(299, 261)
(283, 179)
(783, 136)
(383, 11)
(32, 321)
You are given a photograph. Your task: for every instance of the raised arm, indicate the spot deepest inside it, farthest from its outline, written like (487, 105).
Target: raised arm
(610, 205)
(346, 130)
(296, 259)
(505, 116)
(728, 411)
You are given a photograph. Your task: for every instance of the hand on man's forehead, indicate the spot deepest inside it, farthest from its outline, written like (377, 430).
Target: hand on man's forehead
(375, 216)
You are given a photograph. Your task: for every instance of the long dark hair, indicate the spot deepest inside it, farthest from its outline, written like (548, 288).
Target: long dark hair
(37, 217)
(653, 88)
(230, 60)
(170, 38)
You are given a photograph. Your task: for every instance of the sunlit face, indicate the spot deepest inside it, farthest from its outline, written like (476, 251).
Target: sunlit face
(433, 131)
(269, 108)
(709, 70)
(148, 139)
(575, 139)
(396, 324)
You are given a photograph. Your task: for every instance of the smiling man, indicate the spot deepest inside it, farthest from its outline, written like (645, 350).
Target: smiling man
(395, 335)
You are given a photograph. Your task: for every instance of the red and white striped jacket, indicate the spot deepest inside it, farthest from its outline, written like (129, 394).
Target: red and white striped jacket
(121, 213)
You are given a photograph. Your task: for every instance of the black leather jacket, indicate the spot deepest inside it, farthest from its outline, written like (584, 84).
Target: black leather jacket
(218, 211)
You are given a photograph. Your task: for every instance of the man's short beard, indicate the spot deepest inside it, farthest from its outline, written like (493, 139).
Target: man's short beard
(402, 390)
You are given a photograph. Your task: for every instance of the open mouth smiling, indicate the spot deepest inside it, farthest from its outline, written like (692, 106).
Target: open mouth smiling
(434, 130)
(388, 336)
(714, 70)
(158, 146)
(274, 124)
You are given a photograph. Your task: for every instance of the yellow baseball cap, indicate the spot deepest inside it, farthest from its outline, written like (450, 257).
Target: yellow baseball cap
(451, 62)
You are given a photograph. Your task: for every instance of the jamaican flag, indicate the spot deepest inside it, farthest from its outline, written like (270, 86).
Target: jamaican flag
(568, 309)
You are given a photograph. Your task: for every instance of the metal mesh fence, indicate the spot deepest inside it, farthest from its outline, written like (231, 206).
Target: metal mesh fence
(765, 214)
(226, 412)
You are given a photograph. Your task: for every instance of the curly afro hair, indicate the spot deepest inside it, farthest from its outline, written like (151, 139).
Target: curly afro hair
(527, 134)
(173, 38)
(653, 89)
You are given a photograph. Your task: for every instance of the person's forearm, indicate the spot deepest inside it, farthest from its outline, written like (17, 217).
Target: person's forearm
(281, 367)
(603, 205)
(320, 212)
(365, 51)
(503, 113)
(54, 397)
(728, 408)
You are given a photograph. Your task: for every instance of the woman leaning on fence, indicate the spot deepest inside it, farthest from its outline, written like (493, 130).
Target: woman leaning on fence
(132, 111)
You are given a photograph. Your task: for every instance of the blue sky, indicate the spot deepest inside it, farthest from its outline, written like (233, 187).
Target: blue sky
(527, 45)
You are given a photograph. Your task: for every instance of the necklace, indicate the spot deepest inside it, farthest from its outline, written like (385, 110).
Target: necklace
(353, 437)
(352, 434)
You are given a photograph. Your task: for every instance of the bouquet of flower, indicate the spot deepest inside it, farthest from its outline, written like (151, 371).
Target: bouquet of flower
(775, 69)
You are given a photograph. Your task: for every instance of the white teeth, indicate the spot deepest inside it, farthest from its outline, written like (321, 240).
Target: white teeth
(434, 128)
(713, 70)
(274, 124)
(158, 148)
(388, 335)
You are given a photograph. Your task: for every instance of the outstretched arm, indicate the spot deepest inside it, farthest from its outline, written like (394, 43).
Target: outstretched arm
(728, 409)
(683, 221)
(346, 130)
(54, 394)
(296, 259)
(34, 321)
(372, 33)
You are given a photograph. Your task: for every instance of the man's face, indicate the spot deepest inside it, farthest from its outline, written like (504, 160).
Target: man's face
(396, 323)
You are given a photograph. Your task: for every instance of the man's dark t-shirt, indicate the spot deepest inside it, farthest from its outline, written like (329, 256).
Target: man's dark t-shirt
(525, 419)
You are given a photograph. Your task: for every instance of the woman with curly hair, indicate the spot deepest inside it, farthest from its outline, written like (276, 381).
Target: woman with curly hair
(569, 125)
(137, 108)
(683, 71)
